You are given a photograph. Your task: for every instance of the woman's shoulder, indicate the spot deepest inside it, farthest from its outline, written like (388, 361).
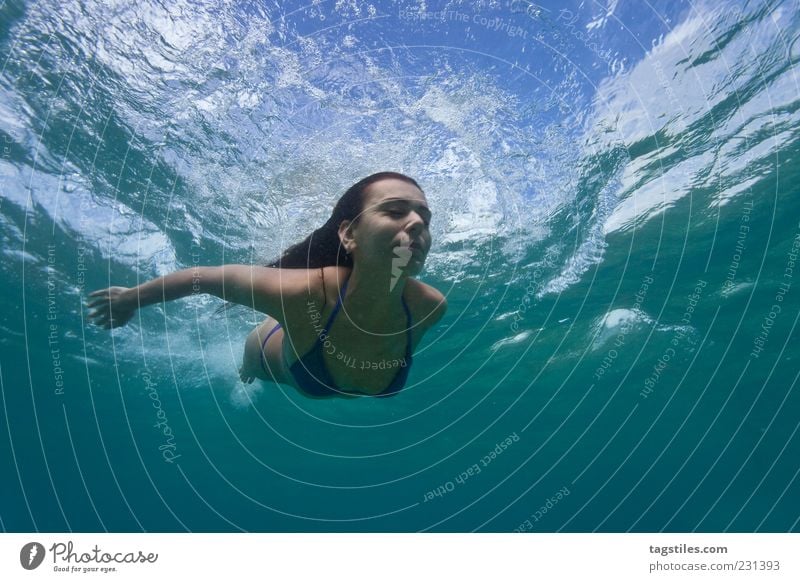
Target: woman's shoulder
(298, 287)
(325, 283)
(426, 302)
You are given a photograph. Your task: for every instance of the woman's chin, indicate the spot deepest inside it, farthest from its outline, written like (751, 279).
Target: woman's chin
(415, 267)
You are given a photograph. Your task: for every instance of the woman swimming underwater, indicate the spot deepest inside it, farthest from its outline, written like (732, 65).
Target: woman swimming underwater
(345, 312)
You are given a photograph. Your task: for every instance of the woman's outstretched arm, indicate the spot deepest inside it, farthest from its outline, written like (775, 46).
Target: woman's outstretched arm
(262, 288)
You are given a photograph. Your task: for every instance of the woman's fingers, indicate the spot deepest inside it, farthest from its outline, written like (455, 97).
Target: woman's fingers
(100, 317)
(100, 321)
(106, 309)
(99, 300)
(100, 307)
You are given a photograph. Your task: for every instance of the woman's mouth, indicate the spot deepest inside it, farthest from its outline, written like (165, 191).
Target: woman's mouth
(415, 247)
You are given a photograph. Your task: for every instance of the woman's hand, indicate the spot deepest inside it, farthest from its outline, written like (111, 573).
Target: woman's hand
(112, 307)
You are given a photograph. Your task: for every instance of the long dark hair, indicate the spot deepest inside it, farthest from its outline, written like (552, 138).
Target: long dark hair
(322, 247)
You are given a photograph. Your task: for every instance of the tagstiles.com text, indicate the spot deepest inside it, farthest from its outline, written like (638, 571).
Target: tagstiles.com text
(673, 552)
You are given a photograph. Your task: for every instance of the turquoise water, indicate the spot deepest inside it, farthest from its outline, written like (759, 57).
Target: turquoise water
(616, 224)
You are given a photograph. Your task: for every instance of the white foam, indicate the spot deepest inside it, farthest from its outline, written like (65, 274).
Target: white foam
(516, 339)
(617, 321)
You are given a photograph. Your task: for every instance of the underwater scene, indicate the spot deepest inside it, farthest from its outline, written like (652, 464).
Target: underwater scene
(615, 202)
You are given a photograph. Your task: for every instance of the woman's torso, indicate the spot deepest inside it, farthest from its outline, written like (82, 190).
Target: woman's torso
(357, 360)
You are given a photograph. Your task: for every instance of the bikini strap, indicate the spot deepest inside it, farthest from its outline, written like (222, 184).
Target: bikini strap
(342, 292)
(408, 328)
(324, 292)
(335, 311)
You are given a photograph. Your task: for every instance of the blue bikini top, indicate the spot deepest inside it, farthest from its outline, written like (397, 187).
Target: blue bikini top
(312, 375)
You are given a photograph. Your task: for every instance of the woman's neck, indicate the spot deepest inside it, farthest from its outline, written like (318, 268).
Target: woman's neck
(374, 299)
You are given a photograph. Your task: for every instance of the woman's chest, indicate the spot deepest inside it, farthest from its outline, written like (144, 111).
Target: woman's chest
(356, 359)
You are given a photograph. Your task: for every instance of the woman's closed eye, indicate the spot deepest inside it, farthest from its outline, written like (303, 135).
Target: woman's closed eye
(398, 211)
(404, 213)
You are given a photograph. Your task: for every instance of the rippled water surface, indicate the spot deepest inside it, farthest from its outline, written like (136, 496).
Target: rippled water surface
(616, 226)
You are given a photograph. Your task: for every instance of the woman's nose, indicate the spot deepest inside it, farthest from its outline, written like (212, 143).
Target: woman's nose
(416, 223)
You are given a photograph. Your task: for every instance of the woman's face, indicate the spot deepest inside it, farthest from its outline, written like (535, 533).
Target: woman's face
(393, 228)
